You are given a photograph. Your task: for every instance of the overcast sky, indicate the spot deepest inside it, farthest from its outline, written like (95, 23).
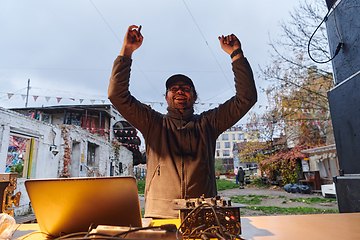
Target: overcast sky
(67, 47)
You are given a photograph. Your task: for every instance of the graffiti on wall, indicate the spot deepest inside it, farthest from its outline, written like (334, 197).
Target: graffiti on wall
(16, 152)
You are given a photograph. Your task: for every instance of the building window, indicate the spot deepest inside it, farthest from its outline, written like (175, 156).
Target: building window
(121, 170)
(233, 136)
(227, 144)
(46, 118)
(225, 137)
(240, 136)
(217, 145)
(73, 119)
(91, 154)
(226, 153)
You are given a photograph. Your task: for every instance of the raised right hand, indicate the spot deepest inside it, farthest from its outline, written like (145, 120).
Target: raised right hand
(132, 40)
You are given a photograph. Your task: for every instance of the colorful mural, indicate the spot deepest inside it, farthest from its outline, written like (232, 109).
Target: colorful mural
(16, 151)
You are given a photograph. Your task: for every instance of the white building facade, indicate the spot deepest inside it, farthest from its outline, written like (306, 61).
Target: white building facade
(37, 150)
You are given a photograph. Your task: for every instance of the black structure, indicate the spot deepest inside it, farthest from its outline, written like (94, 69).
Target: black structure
(343, 24)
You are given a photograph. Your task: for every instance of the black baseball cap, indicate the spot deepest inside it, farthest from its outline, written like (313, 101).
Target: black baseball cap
(179, 77)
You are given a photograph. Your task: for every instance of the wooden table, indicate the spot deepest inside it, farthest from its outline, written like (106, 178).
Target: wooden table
(344, 226)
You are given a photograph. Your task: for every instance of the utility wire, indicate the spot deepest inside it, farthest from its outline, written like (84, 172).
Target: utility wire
(207, 44)
(121, 43)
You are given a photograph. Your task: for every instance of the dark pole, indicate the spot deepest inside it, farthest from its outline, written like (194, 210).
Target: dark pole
(100, 123)
(27, 93)
(86, 119)
(64, 117)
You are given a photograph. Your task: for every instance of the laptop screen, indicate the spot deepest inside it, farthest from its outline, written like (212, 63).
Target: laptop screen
(69, 205)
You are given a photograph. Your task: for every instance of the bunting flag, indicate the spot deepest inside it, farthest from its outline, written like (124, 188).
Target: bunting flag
(304, 108)
(245, 125)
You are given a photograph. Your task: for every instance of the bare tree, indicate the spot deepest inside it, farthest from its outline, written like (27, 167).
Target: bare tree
(297, 94)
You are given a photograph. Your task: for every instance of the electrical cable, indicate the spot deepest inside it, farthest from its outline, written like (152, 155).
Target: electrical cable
(220, 231)
(121, 43)
(87, 235)
(207, 43)
(317, 28)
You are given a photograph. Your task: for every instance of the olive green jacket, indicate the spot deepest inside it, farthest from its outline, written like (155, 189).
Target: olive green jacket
(180, 147)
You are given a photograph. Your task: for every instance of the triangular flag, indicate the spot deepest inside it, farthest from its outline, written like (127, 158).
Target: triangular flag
(23, 96)
(161, 104)
(58, 99)
(103, 101)
(47, 98)
(10, 95)
(152, 104)
(92, 101)
(35, 97)
(81, 100)
(72, 99)
(210, 104)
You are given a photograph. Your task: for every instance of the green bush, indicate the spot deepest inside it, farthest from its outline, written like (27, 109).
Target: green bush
(141, 186)
(17, 168)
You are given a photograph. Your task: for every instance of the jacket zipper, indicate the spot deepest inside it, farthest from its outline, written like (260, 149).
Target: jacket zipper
(183, 185)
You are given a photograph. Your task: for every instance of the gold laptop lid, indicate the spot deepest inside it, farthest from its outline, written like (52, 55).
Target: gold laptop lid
(69, 205)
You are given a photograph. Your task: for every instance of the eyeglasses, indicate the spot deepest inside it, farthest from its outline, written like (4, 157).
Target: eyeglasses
(183, 88)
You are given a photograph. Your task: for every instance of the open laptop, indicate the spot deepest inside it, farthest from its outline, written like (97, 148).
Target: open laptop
(69, 205)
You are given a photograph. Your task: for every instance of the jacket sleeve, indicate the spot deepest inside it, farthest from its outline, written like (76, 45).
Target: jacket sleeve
(230, 112)
(136, 113)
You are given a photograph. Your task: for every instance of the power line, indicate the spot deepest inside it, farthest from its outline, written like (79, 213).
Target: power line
(207, 44)
(121, 43)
